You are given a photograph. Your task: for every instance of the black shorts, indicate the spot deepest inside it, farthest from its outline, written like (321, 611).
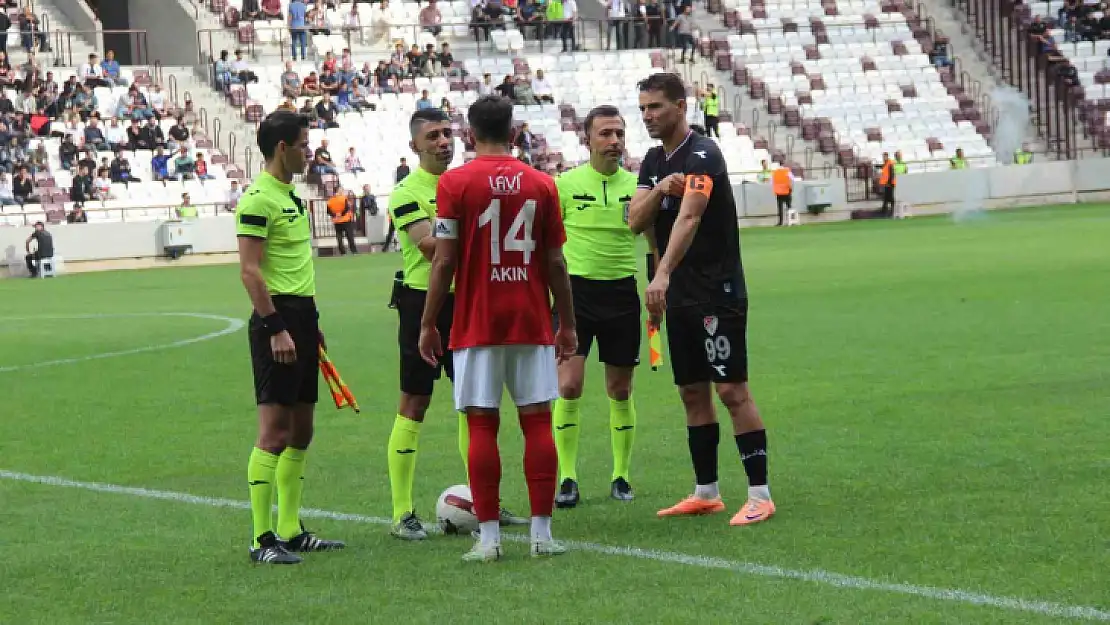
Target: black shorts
(708, 343)
(417, 376)
(298, 383)
(608, 311)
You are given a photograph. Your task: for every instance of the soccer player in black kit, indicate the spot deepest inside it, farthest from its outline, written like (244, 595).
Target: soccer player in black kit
(685, 198)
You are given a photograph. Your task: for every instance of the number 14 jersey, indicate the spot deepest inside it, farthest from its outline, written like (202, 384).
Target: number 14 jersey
(505, 216)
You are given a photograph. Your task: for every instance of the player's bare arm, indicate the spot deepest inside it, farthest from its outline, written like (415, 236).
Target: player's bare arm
(698, 187)
(566, 341)
(653, 249)
(443, 270)
(421, 232)
(250, 272)
(645, 204)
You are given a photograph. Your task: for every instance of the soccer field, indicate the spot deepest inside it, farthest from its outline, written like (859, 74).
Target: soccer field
(936, 396)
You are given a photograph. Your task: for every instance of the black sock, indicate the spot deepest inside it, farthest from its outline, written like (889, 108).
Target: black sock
(703, 441)
(753, 453)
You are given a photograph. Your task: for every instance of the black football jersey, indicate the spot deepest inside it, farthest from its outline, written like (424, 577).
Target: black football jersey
(711, 271)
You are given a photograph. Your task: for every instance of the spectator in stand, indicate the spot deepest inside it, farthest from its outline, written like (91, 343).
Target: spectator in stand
(542, 89)
(445, 106)
(570, 15)
(251, 10)
(424, 102)
(240, 68)
(6, 76)
(115, 135)
(81, 189)
(287, 105)
(367, 204)
(88, 161)
(77, 216)
(445, 58)
(384, 78)
(352, 163)
(321, 162)
(528, 20)
(184, 167)
(154, 135)
(102, 185)
(655, 26)
(361, 96)
(120, 169)
(94, 136)
(352, 24)
(330, 63)
(44, 248)
(683, 29)
(67, 153)
(30, 30)
(222, 70)
(5, 26)
(318, 19)
(186, 210)
(402, 171)
(1039, 30)
(486, 87)
(525, 142)
(271, 10)
(311, 85)
(346, 70)
(179, 134)
(431, 19)
(7, 196)
(137, 139)
(112, 69)
(327, 112)
(384, 22)
(343, 98)
(39, 160)
(309, 111)
(480, 22)
(200, 166)
(298, 25)
(618, 24)
(329, 82)
(233, 195)
(158, 101)
(160, 166)
(507, 89)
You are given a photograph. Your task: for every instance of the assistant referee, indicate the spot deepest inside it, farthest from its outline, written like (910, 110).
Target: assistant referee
(275, 259)
(601, 259)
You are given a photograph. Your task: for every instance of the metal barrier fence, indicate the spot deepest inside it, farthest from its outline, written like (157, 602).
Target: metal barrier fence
(62, 43)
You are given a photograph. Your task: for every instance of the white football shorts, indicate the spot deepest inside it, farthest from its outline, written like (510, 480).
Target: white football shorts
(483, 373)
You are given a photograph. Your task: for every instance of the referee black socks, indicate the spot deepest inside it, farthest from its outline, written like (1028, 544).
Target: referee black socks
(753, 453)
(703, 441)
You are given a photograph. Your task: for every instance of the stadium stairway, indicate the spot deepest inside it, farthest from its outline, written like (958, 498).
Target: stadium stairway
(67, 50)
(974, 59)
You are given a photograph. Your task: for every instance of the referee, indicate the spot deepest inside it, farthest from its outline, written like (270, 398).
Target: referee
(601, 258)
(275, 260)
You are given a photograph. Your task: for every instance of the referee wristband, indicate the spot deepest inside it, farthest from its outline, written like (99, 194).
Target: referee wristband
(273, 324)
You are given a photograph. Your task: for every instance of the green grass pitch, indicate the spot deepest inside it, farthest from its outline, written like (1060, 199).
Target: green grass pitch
(936, 395)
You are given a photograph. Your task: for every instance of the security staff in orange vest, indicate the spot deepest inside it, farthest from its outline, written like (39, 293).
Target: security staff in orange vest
(887, 181)
(341, 207)
(782, 184)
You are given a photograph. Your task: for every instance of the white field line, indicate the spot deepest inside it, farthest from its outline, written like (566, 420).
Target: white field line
(825, 578)
(233, 325)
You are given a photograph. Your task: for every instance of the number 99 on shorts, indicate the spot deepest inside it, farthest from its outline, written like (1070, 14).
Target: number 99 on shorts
(717, 349)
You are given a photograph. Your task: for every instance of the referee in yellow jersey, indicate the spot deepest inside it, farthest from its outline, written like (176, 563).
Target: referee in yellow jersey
(601, 257)
(275, 260)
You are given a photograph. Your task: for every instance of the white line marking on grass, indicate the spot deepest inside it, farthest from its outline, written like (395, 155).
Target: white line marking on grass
(825, 578)
(233, 325)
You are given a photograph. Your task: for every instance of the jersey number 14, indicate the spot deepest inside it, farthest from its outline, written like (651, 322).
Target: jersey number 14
(519, 236)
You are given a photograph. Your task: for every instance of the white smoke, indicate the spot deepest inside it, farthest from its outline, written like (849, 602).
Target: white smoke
(1009, 119)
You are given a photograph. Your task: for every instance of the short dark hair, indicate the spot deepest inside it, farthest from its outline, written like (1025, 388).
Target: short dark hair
(669, 83)
(419, 118)
(605, 110)
(491, 119)
(277, 127)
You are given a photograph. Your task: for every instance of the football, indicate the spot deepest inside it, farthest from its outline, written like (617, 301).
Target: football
(455, 511)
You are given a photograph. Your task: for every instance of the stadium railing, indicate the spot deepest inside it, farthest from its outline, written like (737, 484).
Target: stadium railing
(62, 43)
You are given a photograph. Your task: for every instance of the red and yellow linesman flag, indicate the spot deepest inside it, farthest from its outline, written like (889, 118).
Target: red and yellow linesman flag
(655, 345)
(339, 391)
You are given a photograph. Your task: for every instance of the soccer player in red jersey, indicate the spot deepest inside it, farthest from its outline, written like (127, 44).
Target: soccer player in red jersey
(499, 234)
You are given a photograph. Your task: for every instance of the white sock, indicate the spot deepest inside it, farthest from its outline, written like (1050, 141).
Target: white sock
(490, 533)
(541, 528)
(762, 493)
(706, 491)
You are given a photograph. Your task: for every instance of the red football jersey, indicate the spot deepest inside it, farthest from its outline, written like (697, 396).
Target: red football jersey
(505, 215)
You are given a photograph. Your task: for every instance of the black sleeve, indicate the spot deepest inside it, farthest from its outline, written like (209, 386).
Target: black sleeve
(705, 158)
(647, 173)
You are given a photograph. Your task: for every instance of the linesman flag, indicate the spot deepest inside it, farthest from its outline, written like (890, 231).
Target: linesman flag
(655, 345)
(339, 391)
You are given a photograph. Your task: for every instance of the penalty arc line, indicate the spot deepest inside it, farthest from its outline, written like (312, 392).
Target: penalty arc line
(233, 325)
(825, 578)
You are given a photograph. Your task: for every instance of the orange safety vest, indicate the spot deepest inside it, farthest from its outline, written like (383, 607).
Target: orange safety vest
(780, 181)
(337, 207)
(886, 176)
